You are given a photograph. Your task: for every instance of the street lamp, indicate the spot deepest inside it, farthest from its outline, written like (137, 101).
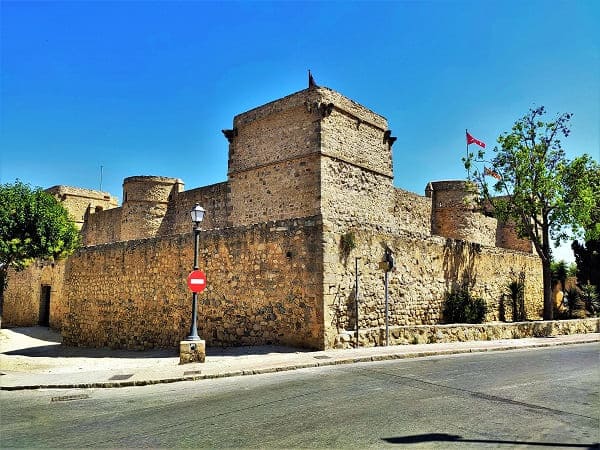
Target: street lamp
(197, 214)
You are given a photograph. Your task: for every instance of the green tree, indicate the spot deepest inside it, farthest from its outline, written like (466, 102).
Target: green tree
(587, 257)
(33, 224)
(547, 196)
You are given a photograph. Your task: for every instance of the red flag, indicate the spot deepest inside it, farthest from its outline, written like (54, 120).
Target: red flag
(491, 173)
(472, 140)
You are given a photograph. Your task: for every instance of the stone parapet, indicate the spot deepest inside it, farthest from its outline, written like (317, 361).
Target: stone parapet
(431, 334)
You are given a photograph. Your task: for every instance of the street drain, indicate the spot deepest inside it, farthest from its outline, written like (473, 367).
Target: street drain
(192, 372)
(70, 398)
(322, 357)
(120, 377)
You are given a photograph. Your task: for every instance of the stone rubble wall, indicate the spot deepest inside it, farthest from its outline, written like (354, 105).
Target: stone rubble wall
(165, 218)
(23, 297)
(351, 196)
(273, 162)
(427, 268)
(145, 203)
(412, 212)
(102, 227)
(347, 138)
(212, 198)
(274, 133)
(79, 200)
(275, 192)
(428, 334)
(263, 287)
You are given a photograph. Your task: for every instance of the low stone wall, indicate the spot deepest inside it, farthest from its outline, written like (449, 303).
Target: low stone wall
(430, 334)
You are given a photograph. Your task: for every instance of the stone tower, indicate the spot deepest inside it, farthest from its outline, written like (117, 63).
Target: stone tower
(145, 202)
(311, 153)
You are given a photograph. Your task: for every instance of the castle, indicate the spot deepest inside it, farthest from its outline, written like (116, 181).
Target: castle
(309, 190)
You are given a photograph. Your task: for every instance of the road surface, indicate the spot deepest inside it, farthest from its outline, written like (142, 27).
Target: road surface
(536, 398)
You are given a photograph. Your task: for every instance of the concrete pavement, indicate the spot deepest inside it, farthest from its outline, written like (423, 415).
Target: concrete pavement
(34, 358)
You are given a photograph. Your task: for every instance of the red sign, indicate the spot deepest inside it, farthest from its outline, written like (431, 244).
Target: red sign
(196, 281)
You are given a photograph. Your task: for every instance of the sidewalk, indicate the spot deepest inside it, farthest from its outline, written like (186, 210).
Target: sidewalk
(33, 358)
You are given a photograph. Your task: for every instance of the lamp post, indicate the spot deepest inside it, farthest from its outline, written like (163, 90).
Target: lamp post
(197, 214)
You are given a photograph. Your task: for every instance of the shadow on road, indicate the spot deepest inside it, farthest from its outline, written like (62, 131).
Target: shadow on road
(47, 343)
(445, 437)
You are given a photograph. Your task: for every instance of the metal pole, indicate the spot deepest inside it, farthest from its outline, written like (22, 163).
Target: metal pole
(196, 245)
(387, 315)
(193, 336)
(469, 169)
(356, 297)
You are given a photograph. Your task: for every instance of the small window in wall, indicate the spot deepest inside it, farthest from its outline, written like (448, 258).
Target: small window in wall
(44, 319)
(98, 208)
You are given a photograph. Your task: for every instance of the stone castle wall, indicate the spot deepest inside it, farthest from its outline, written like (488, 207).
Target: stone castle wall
(412, 212)
(273, 162)
(145, 203)
(427, 269)
(102, 227)
(275, 192)
(213, 199)
(159, 218)
(79, 201)
(263, 287)
(455, 215)
(355, 135)
(22, 299)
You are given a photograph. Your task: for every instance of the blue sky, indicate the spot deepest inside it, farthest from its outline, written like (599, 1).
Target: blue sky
(144, 88)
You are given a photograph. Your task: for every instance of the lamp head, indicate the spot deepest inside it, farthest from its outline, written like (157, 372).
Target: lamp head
(197, 214)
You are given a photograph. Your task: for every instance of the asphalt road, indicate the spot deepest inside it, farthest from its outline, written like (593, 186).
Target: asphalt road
(537, 398)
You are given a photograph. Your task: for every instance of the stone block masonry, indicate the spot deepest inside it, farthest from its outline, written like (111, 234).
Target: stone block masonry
(80, 202)
(427, 334)
(263, 287)
(427, 269)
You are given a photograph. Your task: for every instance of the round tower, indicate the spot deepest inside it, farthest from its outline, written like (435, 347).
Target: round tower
(145, 202)
(455, 212)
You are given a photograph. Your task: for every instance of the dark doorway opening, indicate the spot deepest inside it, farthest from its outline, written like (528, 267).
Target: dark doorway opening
(45, 306)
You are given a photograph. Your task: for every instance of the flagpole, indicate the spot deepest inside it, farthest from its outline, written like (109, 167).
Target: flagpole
(468, 167)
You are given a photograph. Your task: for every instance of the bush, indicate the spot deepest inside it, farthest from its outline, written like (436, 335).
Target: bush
(590, 298)
(516, 293)
(576, 304)
(461, 307)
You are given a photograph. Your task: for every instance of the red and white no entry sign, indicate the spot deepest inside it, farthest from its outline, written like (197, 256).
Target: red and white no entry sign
(196, 281)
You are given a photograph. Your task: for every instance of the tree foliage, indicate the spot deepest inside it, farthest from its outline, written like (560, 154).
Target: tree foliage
(33, 224)
(544, 194)
(587, 257)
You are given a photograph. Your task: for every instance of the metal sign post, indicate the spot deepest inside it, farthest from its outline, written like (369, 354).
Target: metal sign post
(387, 313)
(388, 265)
(356, 287)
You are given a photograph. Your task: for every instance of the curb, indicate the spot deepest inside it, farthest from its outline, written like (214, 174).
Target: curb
(286, 368)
